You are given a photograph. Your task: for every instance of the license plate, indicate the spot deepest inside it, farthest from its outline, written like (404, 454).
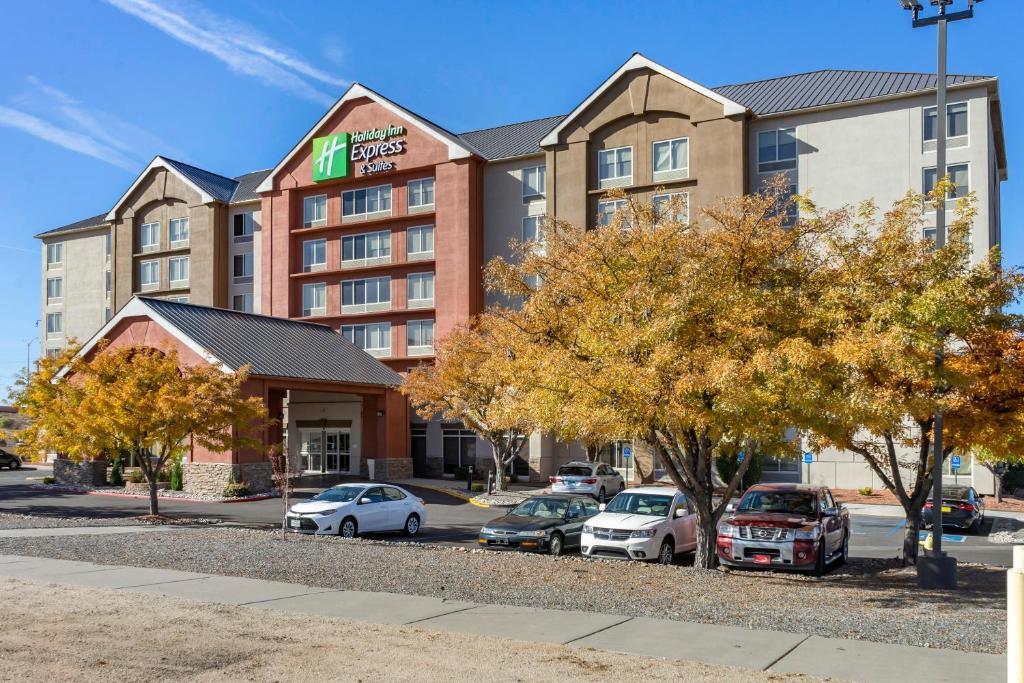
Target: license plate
(294, 523)
(572, 484)
(947, 508)
(501, 541)
(762, 559)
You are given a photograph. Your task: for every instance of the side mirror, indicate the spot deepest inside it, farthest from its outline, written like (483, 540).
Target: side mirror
(601, 507)
(365, 501)
(730, 507)
(682, 512)
(830, 512)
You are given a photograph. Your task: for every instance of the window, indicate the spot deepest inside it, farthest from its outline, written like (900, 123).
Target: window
(930, 233)
(420, 243)
(374, 338)
(607, 208)
(55, 255)
(615, 166)
(671, 159)
(52, 352)
(177, 271)
(364, 250)
(108, 244)
(679, 200)
(243, 227)
(458, 448)
(365, 202)
(788, 208)
(242, 269)
(776, 150)
(314, 298)
(107, 284)
(242, 302)
(533, 229)
(421, 290)
(179, 232)
(421, 337)
(106, 314)
(314, 255)
(149, 274)
(421, 193)
(54, 324)
(393, 494)
(370, 294)
(535, 182)
(956, 121)
(314, 211)
(177, 299)
(149, 237)
(54, 290)
(958, 174)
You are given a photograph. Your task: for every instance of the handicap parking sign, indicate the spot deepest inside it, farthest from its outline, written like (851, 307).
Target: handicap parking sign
(741, 456)
(954, 462)
(627, 452)
(808, 458)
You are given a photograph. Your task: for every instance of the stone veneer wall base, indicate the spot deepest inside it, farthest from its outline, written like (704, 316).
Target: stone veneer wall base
(86, 473)
(210, 478)
(391, 469)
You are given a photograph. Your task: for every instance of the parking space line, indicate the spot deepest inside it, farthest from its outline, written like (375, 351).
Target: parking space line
(892, 532)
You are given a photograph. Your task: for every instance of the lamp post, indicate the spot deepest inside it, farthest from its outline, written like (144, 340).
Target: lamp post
(938, 570)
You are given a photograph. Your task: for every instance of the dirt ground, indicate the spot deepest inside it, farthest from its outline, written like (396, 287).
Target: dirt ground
(62, 633)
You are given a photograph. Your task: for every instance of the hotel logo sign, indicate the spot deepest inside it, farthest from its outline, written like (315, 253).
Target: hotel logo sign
(335, 155)
(330, 157)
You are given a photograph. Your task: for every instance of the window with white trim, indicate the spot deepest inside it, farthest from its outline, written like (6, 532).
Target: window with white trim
(956, 122)
(374, 338)
(54, 324)
(420, 337)
(606, 210)
(52, 352)
(776, 150)
(680, 201)
(367, 249)
(243, 226)
(149, 274)
(314, 255)
(615, 166)
(54, 255)
(314, 211)
(107, 283)
(108, 243)
(671, 159)
(785, 206)
(367, 201)
(54, 290)
(149, 237)
(241, 269)
(177, 271)
(180, 299)
(420, 288)
(535, 180)
(367, 294)
(959, 175)
(179, 232)
(421, 193)
(242, 302)
(314, 298)
(419, 242)
(533, 229)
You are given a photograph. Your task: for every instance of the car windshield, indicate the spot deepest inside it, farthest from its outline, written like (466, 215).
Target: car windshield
(339, 494)
(651, 504)
(573, 471)
(541, 507)
(788, 502)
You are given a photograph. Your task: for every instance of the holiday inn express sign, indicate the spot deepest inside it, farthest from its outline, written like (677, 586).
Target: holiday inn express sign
(335, 155)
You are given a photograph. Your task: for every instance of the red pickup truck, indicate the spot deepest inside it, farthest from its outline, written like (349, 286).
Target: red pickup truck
(785, 526)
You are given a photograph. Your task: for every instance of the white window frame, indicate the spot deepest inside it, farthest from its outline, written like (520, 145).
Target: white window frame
(671, 173)
(777, 164)
(380, 236)
(178, 243)
(314, 266)
(616, 205)
(420, 349)
(152, 246)
(366, 215)
(381, 330)
(143, 284)
(312, 219)
(177, 298)
(59, 297)
(411, 255)
(248, 226)
(247, 302)
(667, 196)
(419, 302)
(180, 282)
(314, 310)
(617, 180)
(54, 331)
(51, 248)
(366, 306)
(423, 206)
(950, 201)
(951, 140)
(537, 241)
(528, 195)
(108, 245)
(244, 278)
(108, 284)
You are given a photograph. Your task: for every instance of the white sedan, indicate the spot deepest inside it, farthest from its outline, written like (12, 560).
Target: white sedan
(351, 509)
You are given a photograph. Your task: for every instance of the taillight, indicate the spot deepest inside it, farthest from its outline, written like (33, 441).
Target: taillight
(554, 480)
(928, 504)
(966, 506)
(422, 502)
(590, 481)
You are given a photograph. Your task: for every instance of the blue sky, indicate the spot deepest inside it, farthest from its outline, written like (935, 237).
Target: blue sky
(91, 90)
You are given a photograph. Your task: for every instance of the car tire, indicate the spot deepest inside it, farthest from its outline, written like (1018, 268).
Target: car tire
(844, 554)
(556, 546)
(16, 465)
(819, 561)
(412, 525)
(667, 552)
(602, 496)
(975, 526)
(348, 528)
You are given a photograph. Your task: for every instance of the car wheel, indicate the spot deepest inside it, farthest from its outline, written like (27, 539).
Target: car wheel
(845, 554)
(819, 561)
(16, 465)
(412, 525)
(667, 553)
(975, 526)
(556, 546)
(601, 495)
(349, 528)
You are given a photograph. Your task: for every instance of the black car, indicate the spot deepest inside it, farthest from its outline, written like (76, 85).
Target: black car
(962, 508)
(9, 460)
(551, 523)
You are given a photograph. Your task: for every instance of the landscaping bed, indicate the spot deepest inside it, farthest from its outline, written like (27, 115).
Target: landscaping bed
(884, 497)
(143, 492)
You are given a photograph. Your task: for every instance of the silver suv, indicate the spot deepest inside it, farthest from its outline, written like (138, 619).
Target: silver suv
(592, 478)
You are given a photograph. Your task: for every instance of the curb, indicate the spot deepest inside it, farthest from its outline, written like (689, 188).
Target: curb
(454, 494)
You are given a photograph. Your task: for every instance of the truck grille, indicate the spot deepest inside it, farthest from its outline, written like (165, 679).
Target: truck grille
(611, 534)
(765, 533)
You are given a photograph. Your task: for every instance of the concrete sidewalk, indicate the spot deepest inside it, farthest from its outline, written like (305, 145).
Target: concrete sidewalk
(778, 651)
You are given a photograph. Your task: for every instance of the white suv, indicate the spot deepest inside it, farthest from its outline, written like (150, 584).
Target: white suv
(648, 523)
(592, 478)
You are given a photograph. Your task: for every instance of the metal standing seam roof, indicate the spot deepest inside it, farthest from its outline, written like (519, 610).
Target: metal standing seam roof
(245, 190)
(217, 186)
(274, 347)
(96, 221)
(511, 140)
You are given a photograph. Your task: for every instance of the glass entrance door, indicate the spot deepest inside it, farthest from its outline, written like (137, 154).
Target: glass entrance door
(325, 450)
(311, 450)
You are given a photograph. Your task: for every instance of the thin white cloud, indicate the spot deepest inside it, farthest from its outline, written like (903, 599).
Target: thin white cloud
(243, 49)
(63, 137)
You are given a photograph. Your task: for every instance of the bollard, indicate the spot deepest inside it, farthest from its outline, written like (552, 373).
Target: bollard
(1015, 618)
(490, 483)
(469, 479)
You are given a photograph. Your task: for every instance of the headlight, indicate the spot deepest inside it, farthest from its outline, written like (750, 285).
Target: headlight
(326, 512)
(487, 530)
(534, 534)
(587, 529)
(643, 533)
(808, 533)
(728, 530)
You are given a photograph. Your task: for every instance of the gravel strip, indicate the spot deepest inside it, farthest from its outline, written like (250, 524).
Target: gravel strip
(9, 520)
(869, 599)
(161, 493)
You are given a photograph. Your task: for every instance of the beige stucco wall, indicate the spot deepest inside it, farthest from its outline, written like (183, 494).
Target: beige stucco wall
(250, 247)
(83, 302)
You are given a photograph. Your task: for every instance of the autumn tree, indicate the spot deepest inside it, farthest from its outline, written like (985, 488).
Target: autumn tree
(472, 380)
(676, 333)
(887, 300)
(136, 399)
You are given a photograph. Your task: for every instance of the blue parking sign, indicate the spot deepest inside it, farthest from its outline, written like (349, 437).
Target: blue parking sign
(741, 456)
(954, 462)
(808, 458)
(627, 452)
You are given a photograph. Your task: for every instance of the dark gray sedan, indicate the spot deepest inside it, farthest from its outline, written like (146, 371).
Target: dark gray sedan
(9, 460)
(551, 523)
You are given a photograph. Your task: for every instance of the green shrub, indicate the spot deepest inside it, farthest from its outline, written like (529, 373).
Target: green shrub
(236, 489)
(49, 480)
(176, 483)
(137, 476)
(1013, 479)
(865, 490)
(727, 463)
(164, 475)
(478, 487)
(117, 473)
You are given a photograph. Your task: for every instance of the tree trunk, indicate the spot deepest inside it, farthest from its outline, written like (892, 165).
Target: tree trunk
(152, 494)
(707, 539)
(912, 536)
(999, 487)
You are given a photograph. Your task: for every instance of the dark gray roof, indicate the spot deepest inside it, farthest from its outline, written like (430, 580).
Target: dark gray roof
(512, 140)
(830, 87)
(84, 224)
(245, 191)
(217, 186)
(275, 347)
